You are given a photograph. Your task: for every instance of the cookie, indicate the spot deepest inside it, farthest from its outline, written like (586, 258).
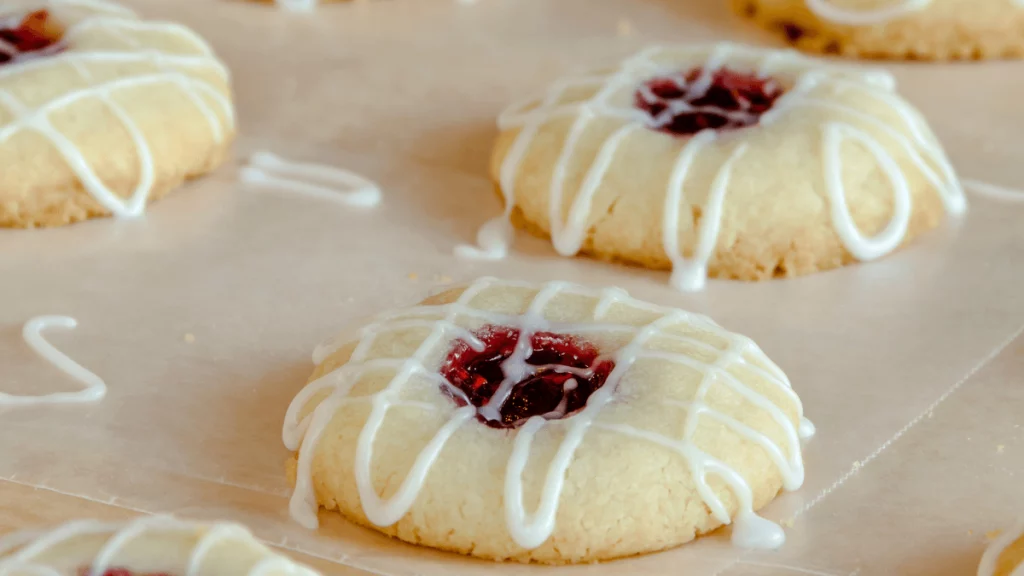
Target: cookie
(550, 423)
(728, 161)
(906, 29)
(1005, 555)
(102, 112)
(147, 546)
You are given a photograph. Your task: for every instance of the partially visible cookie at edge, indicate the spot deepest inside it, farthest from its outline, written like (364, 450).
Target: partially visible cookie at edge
(145, 546)
(102, 112)
(898, 29)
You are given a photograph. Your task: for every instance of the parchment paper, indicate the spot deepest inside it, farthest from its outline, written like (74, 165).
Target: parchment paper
(898, 361)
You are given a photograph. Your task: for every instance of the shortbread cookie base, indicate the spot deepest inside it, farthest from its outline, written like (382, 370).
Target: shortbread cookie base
(946, 30)
(768, 244)
(71, 203)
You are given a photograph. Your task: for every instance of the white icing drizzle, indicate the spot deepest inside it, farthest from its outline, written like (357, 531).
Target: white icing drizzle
(825, 10)
(990, 560)
(349, 188)
(807, 429)
(297, 5)
(95, 389)
(609, 93)
(109, 19)
(994, 192)
(23, 552)
(531, 529)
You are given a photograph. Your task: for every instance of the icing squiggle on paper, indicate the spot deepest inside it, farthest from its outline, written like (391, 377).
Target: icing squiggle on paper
(825, 10)
(531, 529)
(95, 389)
(568, 233)
(267, 169)
(22, 552)
(108, 19)
(994, 192)
(990, 560)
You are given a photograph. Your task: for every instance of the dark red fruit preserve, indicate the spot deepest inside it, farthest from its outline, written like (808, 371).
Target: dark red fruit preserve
(27, 35)
(547, 392)
(685, 104)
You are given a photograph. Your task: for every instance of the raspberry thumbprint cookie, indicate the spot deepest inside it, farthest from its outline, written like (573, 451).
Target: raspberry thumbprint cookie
(148, 546)
(912, 29)
(722, 161)
(101, 112)
(549, 423)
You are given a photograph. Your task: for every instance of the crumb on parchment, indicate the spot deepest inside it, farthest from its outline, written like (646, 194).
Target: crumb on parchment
(624, 28)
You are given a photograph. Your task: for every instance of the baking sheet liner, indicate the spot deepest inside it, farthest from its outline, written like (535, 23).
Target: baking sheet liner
(201, 317)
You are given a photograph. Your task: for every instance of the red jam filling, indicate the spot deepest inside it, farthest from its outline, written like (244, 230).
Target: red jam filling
(552, 391)
(685, 104)
(30, 36)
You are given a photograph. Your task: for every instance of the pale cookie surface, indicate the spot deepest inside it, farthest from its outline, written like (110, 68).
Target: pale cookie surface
(152, 545)
(550, 423)
(914, 29)
(101, 111)
(725, 161)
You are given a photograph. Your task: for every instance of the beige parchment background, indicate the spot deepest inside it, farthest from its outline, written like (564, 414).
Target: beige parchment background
(912, 367)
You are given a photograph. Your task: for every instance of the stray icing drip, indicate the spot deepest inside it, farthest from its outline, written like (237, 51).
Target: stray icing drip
(173, 70)
(22, 552)
(531, 529)
(349, 188)
(569, 228)
(807, 429)
(994, 192)
(297, 5)
(990, 560)
(95, 389)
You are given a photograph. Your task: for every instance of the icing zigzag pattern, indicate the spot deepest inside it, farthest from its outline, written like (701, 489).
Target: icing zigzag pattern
(588, 99)
(303, 428)
(100, 35)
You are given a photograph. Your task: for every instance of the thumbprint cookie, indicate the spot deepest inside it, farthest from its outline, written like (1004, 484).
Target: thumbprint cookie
(900, 29)
(102, 112)
(724, 161)
(545, 423)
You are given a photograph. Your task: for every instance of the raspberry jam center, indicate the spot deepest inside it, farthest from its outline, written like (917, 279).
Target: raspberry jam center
(723, 99)
(561, 373)
(24, 37)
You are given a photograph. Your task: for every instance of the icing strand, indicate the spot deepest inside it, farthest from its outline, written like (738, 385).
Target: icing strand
(22, 551)
(825, 10)
(297, 5)
(95, 389)
(349, 188)
(569, 231)
(994, 192)
(990, 560)
(110, 19)
(531, 529)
